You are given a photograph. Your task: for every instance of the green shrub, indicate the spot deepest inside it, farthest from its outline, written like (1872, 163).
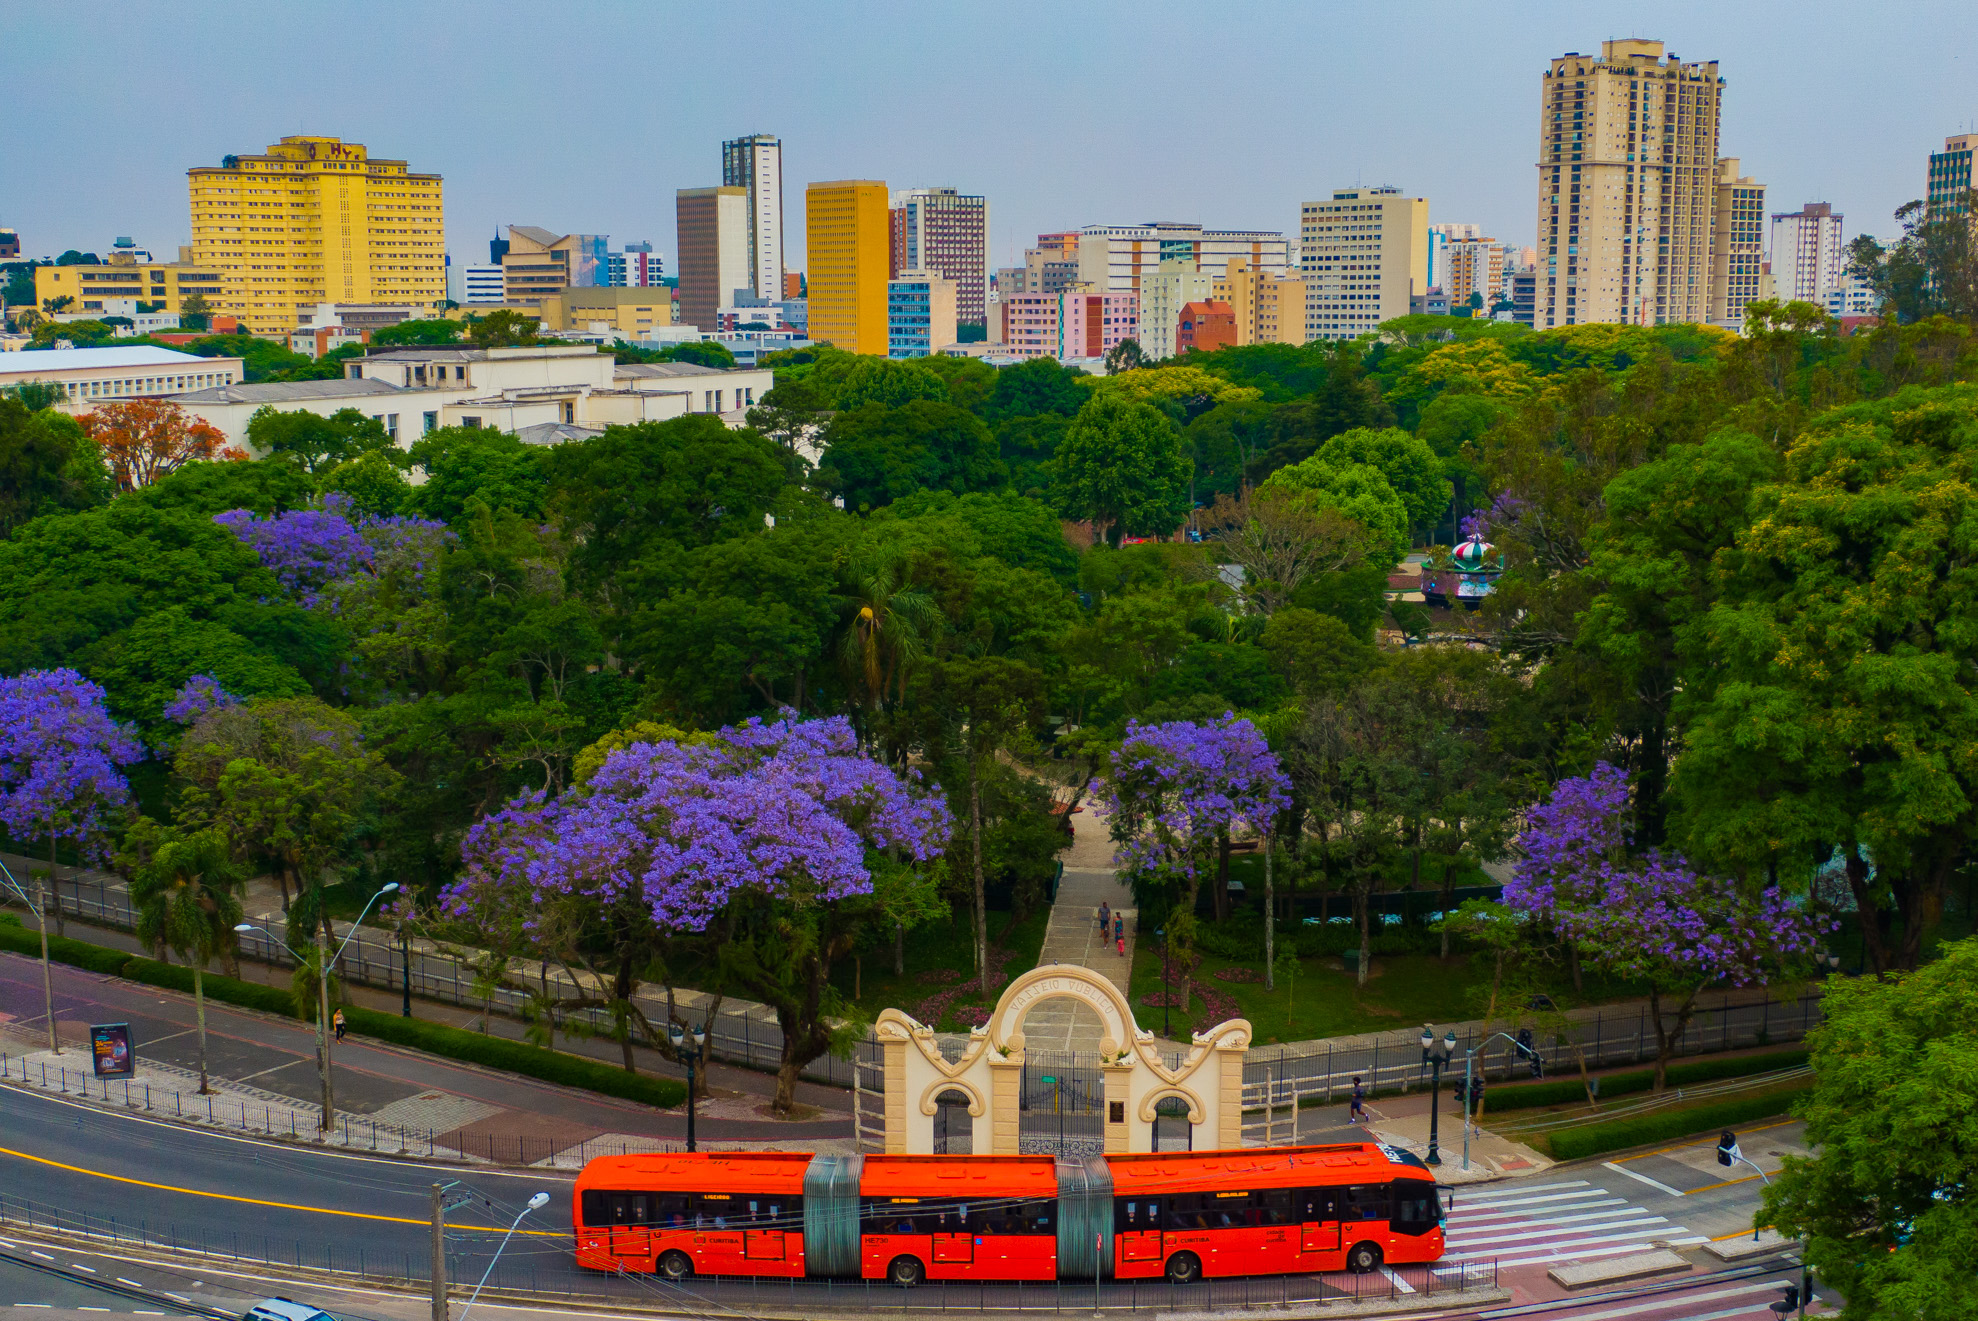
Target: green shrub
(1567, 1090)
(1595, 1139)
(517, 1057)
(93, 958)
(226, 990)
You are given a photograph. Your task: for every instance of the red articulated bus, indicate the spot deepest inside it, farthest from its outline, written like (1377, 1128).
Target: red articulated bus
(905, 1219)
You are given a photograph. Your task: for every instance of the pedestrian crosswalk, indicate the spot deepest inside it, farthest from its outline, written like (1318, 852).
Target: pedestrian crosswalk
(1530, 1224)
(1748, 1300)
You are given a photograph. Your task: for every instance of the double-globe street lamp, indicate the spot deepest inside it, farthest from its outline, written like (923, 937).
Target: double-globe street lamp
(1435, 1056)
(326, 962)
(681, 1036)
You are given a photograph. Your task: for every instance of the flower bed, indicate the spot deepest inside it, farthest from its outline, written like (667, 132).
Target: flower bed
(936, 976)
(935, 1007)
(1237, 975)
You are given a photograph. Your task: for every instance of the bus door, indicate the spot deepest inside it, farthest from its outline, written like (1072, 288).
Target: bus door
(631, 1241)
(953, 1243)
(1318, 1215)
(764, 1244)
(1139, 1229)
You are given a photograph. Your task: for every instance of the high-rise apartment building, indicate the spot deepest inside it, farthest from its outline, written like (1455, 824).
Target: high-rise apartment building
(947, 232)
(1627, 196)
(848, 232)
(1737, 244)
(1950, 176)
(1807, 252)
(1365, 253)
(637, 267)
(1440, 237)
(481, 283)
(1119, 257)
(316, 220)
(1264, 308)
(713, 236)
(755, 163)
(1172, 285)
(1472, 265)
(920, 314)
(1075, 323)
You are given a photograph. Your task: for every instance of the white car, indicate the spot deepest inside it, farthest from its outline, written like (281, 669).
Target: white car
(281, 1309)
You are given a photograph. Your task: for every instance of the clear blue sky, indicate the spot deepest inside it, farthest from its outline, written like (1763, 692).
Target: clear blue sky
(586, 115)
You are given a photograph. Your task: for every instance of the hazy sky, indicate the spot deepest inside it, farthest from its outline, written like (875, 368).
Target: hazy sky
(586, 115)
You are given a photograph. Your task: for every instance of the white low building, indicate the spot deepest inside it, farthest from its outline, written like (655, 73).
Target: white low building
(544, 393)
(93, 376)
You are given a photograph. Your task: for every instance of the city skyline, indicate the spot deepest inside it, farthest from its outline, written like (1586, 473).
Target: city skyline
(846, 105)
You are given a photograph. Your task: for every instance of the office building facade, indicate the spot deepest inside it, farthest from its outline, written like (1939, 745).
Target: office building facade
(1737, 245)
(947, 232)
(1365, 252)
(480, 283)
(920, 314)
(1628, 176)
(1172, 285)
(1264, 308)
(316, 220)
(1119, 257)
(1808, 252)
(637, 267)
(755, 164)
(848, 261)
(155, 286)
(712, 230)
(537, 263)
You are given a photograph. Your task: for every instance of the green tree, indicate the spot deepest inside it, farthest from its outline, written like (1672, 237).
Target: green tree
(215, 486)
(1358, 491)
(1884, 1204)
(1315, 653)
(705, 353)
(1040, 385)
(194, 312)
(47, 464)
(502, 328)
(463, 463)
(425, 332)
(850, 381)
(1124, 356)
(185, 886)
(874, 455)
(1344, 400)
(371, 481)
(1120, 466)
(316, 443)
(1409, 465)
(1931, 270)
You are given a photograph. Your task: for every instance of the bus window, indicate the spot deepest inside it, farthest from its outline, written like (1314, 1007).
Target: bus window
(1037, 1218)
(1272, 1206)
(1316, 1204)
(1367, 1201)
(1131, 1216)
(1415, 1207)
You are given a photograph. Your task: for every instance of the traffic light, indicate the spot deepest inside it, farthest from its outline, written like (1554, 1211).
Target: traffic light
(1538, 1067)
(1727, 1148)
(1788, 1300)
(1459, 1091)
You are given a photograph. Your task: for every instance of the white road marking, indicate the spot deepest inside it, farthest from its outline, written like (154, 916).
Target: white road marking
(44, 1256)
(1642, 1178)
(76, 1265)
(132, 1283)
(1635, 1223)
(1517, 1217)
(1658, 1304)
(1397, 1281)
(1573, 1253)
(1535, 1201)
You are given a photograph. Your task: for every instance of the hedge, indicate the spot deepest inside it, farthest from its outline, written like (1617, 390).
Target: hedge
(1596, 1139)
(434, 1038)
(1567, 1090)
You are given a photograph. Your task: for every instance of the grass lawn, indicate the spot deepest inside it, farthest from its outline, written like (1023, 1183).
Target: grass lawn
(1324, 1000)
(937, 948)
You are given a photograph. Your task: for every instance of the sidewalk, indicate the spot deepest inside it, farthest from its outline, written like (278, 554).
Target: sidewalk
(1073, 937)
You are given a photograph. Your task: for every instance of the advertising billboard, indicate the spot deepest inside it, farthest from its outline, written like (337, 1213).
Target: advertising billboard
(110, 1049)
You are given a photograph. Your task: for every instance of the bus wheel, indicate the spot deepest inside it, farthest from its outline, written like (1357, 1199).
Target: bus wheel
(1364, 1259)
(676, 1266)
(1184, 1268)
(906, 1272)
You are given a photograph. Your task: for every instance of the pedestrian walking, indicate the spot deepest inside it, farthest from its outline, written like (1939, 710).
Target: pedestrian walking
(1358, 1114)
(1119, 926)
(336, 1021)
(1105, 918)
(1120, 943)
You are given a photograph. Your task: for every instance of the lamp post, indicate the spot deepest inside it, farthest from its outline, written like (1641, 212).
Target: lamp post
(1166, 990)
(47, 984)
(681, 1036)
(325, 963)
(1470, 1080)
(536, 1202)
(1435, 1057)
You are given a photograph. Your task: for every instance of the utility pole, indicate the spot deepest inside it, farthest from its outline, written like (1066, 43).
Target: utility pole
(439, 1253)
(323, 1010)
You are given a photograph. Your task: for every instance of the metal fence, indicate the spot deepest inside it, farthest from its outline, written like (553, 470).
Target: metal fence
(1320, 1072)
(550, 1271)
(741, 1035)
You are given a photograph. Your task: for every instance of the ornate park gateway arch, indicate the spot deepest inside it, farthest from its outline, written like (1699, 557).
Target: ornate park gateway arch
(1209, 1079)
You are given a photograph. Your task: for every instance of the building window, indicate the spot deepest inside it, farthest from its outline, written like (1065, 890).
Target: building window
(432, 422)
(470, 421)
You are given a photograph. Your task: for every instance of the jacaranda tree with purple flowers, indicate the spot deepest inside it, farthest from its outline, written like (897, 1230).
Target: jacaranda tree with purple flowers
(195, 697)
(308, 550)
(763, 838)
(1174, 794)
(61, 760)
(1648, 916)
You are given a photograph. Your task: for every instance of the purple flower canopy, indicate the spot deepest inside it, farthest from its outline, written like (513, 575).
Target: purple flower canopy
(1647, 913)
(1176, 786)
(59, 758)
(310, 549)
(786, 807)
(198, 695)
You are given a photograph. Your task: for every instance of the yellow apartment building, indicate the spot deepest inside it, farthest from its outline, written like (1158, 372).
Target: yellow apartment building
(629, 311)
(849, 236)
(158, 286)
(1269, 309)
(316, 220)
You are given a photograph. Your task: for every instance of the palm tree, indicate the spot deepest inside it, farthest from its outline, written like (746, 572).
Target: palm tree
(185, 888)
(886, 627)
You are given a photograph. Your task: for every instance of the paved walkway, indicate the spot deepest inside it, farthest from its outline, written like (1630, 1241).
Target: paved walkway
(1073, 937)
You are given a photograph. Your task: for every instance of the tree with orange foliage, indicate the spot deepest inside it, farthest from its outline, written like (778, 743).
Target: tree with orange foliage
(146, 439)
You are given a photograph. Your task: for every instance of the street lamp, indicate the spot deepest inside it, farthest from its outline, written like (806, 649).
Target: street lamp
(326, 962)
(47, 985)
(1166, 990)
(537, 1202)
(681, 1035)
(1435, 1057)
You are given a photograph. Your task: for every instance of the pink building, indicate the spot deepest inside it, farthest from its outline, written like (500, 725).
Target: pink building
(1076, 323)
